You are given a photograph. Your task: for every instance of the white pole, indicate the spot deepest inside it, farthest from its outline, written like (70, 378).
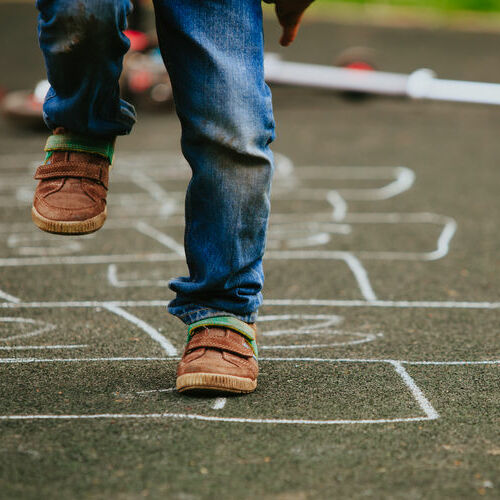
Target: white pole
(475, 92)
(421, 84)
(331, 77)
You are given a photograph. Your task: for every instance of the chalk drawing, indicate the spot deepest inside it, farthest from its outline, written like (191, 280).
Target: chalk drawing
(37, 328)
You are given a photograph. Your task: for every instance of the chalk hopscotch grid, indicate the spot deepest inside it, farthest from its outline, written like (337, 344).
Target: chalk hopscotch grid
(424, 404)
(166, 204)
(429, 412)
(341, 219)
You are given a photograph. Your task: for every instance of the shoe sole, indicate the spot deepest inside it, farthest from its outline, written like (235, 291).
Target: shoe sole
(68, 227)
(215, 382)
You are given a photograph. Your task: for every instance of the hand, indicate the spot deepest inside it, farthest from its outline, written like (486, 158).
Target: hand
(290, 14)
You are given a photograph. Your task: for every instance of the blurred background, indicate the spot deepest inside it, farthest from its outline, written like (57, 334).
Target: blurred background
(457, 39)
(21, 63)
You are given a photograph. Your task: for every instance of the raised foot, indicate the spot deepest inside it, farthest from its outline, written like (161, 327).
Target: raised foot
(68, 228)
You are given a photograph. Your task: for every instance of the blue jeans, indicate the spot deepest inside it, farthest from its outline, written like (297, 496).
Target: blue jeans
(213, 50)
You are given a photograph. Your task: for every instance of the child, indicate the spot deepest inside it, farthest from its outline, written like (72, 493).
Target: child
(213, 50)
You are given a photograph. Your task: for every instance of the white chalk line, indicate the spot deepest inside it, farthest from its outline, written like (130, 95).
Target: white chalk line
(167, 257)
(419, 396)
(90, 259)
(116, 222)
(339, 205)
(289, 227)
(9, 297)
(354, 264)
(382, 360)
(43, 327)
(81, 360)
(452, 363)
(361, 276)
(219, 403)
(187, 416)
(154, 391)
(48, 251)
(440, 252)
(365, 337)
(397, 304)
(312, 328)
(405, 178)
(162, 238)
(312, 218)
(442, 247)
(301, 359)
(128, 202)
(17, 239)
(42, 347)
(151, 186)
(317, 239)
(326, 321)
(112, 275)
(330, 319)
(145, 327)
(443, 244)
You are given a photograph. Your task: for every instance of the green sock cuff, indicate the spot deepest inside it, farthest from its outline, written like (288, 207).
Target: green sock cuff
(48, 154)
(230, 322)
(80, 144)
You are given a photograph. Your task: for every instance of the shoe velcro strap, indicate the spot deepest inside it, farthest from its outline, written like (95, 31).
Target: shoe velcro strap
(234, 324)
(73, 169)
(234, 343)
(81, 144)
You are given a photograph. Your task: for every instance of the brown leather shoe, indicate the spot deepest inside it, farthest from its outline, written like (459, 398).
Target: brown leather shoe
(218, 358)
(70, 197)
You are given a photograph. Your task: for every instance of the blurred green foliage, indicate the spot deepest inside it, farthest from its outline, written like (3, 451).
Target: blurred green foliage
(478, 5)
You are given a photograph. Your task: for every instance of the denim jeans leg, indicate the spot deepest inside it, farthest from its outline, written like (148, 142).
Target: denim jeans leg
(83, 45)
(214, 54)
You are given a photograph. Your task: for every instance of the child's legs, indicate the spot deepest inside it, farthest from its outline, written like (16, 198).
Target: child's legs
(214, 53)
(83, 46)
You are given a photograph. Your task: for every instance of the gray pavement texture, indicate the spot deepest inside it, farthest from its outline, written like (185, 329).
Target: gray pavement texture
(380, 331)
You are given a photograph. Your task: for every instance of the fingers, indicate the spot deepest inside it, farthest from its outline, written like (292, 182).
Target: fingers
(289, 13)
(288, 35)
(290, 29)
